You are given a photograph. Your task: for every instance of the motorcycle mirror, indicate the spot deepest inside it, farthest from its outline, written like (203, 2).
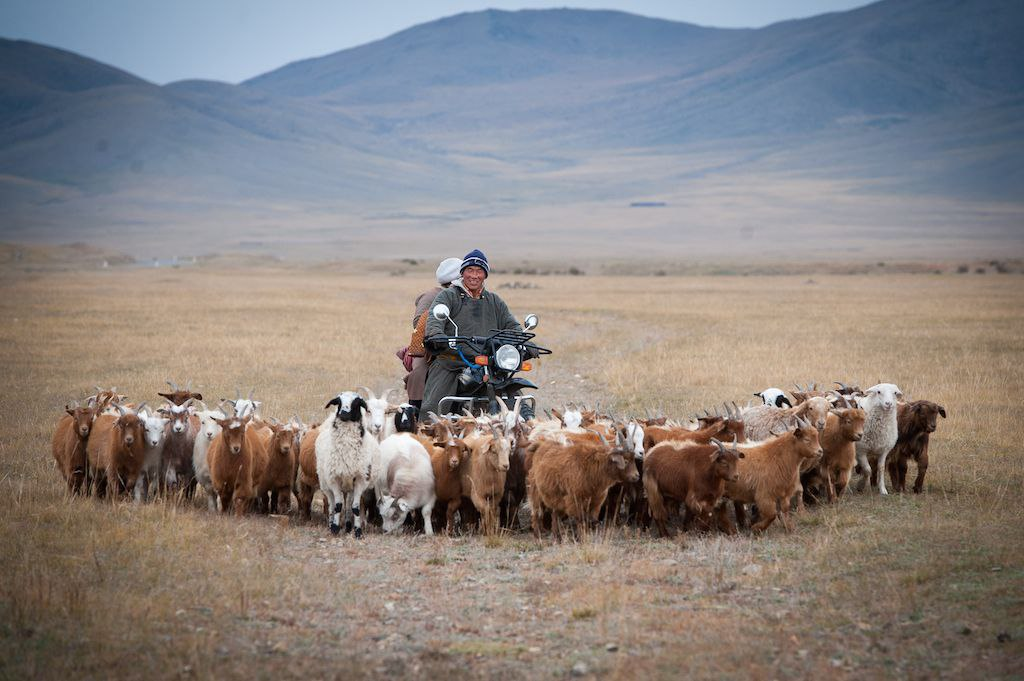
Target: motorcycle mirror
(441, 312)
(530, 322)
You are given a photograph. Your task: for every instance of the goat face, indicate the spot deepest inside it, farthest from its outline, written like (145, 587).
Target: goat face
(284, 438)
(633, 434)
(622, 465)
(393, 513)
(817, 411)
(131, 429)
(405, 419)
(807, 443)
(851, 423)
(927, 415)
(496, 450)
(376, 415)
(208, 426)
(349, 406)
(83, 417)
(233, 432)
(178, 415)
(725, 463)
(155, 428)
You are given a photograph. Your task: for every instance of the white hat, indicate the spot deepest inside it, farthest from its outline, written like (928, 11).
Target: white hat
(448, 270)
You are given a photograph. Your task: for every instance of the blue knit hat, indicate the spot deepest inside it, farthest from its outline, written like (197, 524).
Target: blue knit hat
(476, 258)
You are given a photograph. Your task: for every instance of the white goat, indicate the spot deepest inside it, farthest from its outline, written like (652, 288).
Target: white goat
(409, 483)
(155, 437)
(880, 431)
(345, 449)
(208, 429)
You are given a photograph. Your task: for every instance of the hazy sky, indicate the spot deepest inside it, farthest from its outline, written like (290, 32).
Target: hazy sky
(231, 40)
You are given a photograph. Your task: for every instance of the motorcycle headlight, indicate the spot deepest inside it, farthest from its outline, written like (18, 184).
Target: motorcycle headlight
(507, 358)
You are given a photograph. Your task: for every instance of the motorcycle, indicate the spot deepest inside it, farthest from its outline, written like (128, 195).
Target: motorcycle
(491, 365)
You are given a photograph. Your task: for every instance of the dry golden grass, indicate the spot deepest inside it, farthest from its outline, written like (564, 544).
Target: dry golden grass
(906, 586)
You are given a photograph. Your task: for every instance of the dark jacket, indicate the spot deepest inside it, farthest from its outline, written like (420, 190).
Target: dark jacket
(475, 317)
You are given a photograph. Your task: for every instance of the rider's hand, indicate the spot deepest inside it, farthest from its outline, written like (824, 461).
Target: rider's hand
(438, 344)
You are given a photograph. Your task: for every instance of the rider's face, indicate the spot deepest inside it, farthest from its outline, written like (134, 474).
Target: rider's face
(473, 277)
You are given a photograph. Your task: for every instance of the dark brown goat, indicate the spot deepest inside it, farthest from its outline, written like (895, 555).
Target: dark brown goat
(574, 480)
(274, 486)
(180, 396)
(116, 451)
(915, 422)
(690, 474)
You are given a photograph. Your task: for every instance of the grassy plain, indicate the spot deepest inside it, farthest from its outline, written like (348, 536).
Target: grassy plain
(909, 586)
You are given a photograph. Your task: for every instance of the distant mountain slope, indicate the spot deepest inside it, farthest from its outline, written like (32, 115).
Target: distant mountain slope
(498, 115)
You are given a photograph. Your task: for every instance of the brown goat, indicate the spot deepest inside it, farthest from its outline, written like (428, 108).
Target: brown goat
(116, 451)
(447, 455)
(915, 422)
(69, 443)
(843, 428)
(308, 482)
(235, 455)
(180, 396)
(769, 474)
(274, 484)
(574, 480)
(483, 475)
(690, 474)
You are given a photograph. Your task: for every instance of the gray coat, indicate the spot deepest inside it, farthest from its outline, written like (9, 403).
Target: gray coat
(475, 317)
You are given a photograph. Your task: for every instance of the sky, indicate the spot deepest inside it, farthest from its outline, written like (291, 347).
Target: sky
(232, 40)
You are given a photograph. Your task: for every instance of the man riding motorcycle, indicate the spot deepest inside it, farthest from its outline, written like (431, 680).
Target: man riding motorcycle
(477, 312)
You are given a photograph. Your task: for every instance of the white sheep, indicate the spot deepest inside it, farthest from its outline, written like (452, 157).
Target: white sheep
(409, 483)
(880, 431)
(345, 449)
(208, 429)
(773, 397)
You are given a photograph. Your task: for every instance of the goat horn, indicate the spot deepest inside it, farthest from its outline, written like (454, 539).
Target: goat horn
(238, 393)
(370, 395)
(434, 418)
(547, 412)
(718, 444)
(188, 385)
(174, 386)
(597, 433)
(251, 392)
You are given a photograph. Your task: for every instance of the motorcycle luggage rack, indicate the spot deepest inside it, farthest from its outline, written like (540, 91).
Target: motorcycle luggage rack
(470, 400)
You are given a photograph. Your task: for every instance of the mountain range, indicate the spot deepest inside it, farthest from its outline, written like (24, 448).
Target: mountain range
(893, 128)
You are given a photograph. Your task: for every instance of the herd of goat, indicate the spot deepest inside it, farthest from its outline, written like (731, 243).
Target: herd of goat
(376, 462)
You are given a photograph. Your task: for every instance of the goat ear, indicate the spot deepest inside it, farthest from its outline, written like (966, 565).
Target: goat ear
(403, 506)
(197, 396)
(942, 412)
(336, 402)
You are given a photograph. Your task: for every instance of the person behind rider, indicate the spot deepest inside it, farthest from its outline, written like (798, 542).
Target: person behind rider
(447, 272)
(478, 312)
